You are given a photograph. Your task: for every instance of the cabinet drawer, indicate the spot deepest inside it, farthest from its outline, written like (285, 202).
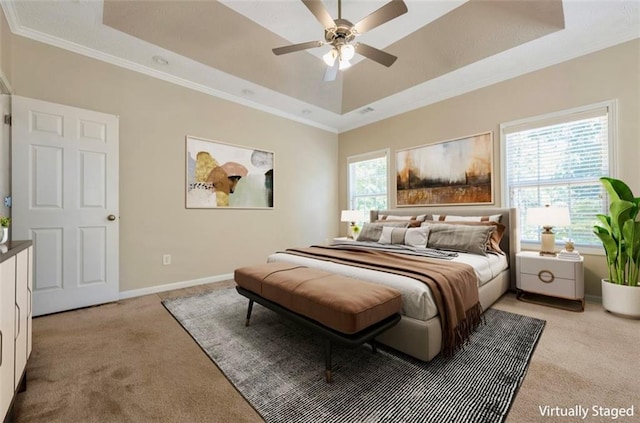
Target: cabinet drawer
(559, 269)
(559, 287)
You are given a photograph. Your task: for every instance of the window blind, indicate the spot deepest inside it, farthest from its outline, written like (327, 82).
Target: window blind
(368, 181)
(559, 161)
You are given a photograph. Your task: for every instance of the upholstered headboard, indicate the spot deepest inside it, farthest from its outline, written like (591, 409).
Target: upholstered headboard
(510, 243)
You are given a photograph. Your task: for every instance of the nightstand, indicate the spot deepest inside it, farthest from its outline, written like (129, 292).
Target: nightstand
(545, 276)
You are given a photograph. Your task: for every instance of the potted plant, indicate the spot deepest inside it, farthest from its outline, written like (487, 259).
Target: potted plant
(4, 228)
(619, 232)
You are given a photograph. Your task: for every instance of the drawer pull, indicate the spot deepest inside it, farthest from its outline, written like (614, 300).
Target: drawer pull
(546, 276)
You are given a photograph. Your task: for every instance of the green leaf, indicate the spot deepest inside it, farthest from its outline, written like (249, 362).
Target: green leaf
(621, 211)
(631, 236)
(610, 245)
(617, 189)
(606, 221)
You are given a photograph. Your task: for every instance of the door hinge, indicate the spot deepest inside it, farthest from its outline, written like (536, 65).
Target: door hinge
(7, 120)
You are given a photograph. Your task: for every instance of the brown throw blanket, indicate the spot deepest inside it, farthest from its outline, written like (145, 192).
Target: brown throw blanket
(454, 285)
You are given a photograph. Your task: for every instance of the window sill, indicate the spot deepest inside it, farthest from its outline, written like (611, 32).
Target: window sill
(583, 250)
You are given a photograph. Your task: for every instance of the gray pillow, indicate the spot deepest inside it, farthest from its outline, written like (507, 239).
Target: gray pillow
(467, 239)
(415, 237)
(371, 231)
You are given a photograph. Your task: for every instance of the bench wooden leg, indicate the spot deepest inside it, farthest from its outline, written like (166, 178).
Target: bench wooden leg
(327, 360)
(247, 322)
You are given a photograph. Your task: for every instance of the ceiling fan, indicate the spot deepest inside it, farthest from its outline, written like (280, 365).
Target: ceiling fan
(340, 34)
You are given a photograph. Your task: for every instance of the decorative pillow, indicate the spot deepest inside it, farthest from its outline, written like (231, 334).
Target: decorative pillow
(452, 218)
(412, 223)
(415, 237)
(421, 217)
(494, 240)
(469, 239)
(371, 231)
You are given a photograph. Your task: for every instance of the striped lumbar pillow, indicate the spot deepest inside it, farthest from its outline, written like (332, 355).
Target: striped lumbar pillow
(415, 237)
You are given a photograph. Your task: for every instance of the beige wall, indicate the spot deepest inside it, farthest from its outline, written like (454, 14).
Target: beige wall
(609, 74)
(5, 47)
(155, 117)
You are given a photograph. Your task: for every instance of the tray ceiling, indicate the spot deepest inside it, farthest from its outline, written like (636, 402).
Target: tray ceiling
(444, 48)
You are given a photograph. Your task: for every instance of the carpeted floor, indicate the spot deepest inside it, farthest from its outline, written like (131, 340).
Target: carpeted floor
(131, 361)
(278, 366)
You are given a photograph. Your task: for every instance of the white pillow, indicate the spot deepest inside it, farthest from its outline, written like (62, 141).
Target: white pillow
(452, 218)
(414, 237)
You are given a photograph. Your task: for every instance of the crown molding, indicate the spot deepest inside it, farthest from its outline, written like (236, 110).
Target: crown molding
(18, 29)
(397, 104)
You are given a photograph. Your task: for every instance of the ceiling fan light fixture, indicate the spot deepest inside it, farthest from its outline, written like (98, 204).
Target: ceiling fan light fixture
(340, 35)
(347, 51)
(330, 57)
(344, 64)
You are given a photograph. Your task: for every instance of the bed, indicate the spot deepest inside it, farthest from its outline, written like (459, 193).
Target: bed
(419, 333)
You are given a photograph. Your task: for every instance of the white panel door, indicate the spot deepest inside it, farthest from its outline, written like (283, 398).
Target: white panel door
(65, 198)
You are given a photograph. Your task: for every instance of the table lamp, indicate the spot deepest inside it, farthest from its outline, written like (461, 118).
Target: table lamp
(351, 216)
(548, 217)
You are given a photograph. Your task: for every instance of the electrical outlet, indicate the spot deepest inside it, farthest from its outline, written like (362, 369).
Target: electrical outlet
(166, 259)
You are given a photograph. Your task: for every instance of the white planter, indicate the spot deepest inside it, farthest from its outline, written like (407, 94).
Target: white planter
(4, 234)
(621, 299)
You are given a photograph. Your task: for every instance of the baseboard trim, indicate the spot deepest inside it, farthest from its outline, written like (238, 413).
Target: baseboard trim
(171, 286)
(593, 298)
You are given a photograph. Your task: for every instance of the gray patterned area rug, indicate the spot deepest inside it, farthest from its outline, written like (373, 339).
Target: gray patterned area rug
(278, 367)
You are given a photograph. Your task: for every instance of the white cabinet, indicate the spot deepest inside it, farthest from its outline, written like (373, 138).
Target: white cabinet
(16, 264)
(7, 333)
(550, 276)
(22, 312)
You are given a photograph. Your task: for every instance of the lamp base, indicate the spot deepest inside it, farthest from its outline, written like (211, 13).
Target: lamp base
(548, 244)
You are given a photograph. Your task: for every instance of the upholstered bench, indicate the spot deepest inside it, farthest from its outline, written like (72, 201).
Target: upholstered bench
(343, 310)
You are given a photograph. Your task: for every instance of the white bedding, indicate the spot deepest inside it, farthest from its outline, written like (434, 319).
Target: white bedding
(417, 301)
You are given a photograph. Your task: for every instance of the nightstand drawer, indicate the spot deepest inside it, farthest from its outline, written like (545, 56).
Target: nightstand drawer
(557, 287)
(558, 268)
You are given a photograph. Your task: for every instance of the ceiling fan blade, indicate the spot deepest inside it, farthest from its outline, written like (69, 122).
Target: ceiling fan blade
(320, 12)
(376, 55)
(389, 11)
(297, 47)
(332, 72)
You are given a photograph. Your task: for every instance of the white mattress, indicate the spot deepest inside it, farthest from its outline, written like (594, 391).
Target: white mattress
(417, 301)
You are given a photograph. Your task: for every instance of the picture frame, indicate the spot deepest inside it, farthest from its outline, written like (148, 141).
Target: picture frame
(221, 175)
(453, 172)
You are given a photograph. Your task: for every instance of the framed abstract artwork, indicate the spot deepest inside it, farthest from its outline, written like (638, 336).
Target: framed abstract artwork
(221, 175)
(452, 172)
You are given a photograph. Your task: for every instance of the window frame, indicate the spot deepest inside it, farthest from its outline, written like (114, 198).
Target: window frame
(558, 117)
(371, 155)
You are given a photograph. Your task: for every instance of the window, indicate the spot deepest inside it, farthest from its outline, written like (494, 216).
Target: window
(558, 160)
(368, 181)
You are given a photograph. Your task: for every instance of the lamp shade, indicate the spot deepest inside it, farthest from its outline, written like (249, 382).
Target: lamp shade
(351, 216)
(330, 57)
(347, 52)
(548, 216)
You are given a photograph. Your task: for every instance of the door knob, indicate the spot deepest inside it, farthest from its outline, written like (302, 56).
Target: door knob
(111, 217)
